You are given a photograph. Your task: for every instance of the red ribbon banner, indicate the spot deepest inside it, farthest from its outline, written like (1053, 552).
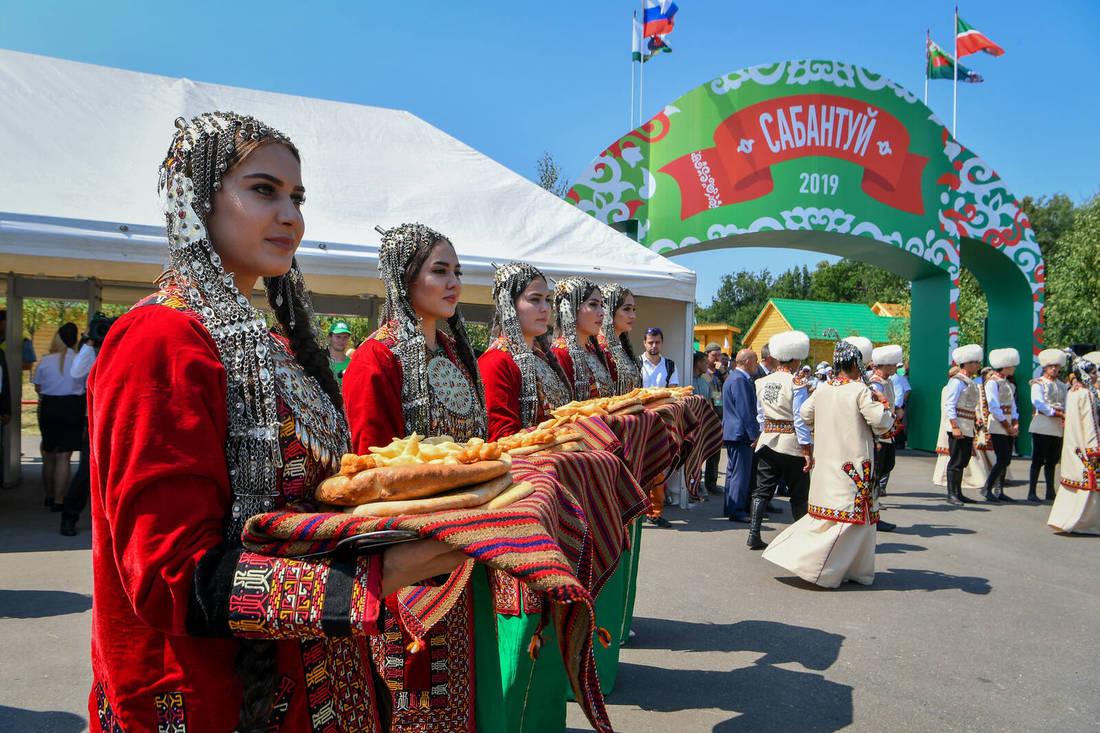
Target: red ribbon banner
(749, 142)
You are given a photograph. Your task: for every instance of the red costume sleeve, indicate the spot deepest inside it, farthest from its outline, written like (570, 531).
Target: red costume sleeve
(502, 381)
(372, 397)
(161, 494)
(566, 362)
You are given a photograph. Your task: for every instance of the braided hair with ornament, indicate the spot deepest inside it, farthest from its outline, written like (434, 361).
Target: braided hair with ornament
(569, 295)
(204, 150)
(404, 251)
(509, 283)
(627, 374)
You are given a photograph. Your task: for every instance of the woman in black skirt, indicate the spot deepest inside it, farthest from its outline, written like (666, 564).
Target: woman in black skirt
(61, 415)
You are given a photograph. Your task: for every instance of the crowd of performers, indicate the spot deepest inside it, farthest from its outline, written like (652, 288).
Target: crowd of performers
(224, 421)
(831, 443)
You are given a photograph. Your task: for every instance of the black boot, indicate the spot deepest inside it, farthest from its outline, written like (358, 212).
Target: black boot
(1048, 471)
(1033, 484)
(756, 518)
(952, 499)
(959, 490)
(1001, 495)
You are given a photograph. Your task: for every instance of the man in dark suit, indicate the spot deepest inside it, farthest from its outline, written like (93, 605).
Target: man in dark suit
(740, 430)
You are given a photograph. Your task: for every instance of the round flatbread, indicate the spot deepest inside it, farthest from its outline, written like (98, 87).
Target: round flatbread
(396, 483)
(560, 440)
(511, 495)
(630, 409)
(464, 498)
(653, 395)
(664, 401)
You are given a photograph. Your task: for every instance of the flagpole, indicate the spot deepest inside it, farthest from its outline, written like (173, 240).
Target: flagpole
(927, 51)
(633, 40)
(955, 86)
(641, 74)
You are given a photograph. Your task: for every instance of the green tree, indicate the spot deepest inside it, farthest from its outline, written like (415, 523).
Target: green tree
(973, 310)
(1050, 218)
(849, 281)
(1073, 305)
(739, 300)
(548, 175)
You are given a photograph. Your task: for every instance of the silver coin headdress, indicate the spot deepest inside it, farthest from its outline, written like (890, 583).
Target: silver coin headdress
(569, 294)
(627, 374)
(399, 245)
(846, 352)
(507, 280)
(202, 150)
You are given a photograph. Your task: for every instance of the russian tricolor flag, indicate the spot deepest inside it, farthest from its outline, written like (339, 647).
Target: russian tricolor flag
(658, 17)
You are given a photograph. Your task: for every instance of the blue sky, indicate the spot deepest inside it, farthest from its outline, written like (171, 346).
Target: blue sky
(516, 79)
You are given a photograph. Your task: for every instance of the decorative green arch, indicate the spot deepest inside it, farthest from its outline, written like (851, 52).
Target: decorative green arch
(830, 157)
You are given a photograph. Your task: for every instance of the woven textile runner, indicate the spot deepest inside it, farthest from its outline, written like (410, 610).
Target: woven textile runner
(704, 437)
(645, 444)
(609, 497)
(539, 540)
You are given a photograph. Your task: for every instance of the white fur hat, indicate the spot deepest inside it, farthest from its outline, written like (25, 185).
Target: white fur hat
(863, 344)
(1048, 357)
(789, 345)
(1093, 356)
(887, 355)
(1001, 358)
(963, 354)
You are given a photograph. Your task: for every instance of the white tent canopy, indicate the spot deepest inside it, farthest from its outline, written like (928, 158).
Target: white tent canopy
(80, 145)
(79, 217)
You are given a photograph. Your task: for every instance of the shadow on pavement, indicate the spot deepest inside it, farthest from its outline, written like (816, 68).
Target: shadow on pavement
(901, 579)
(41, 604)
(932, 530)
(887, 548)
(34, 721)
(761, 693)
(928, 580)
(778, 642)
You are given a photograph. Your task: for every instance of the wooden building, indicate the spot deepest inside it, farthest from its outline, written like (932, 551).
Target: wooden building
(823, 322)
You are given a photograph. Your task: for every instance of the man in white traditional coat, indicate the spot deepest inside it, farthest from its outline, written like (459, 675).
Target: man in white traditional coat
(886, 360)
(1048, 397)
(1077, 506)
(960, 405)
(835, 540)
(1002, 419)
(784, 449)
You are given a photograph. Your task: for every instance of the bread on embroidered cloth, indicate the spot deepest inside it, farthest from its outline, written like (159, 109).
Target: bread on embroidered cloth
(413, 467)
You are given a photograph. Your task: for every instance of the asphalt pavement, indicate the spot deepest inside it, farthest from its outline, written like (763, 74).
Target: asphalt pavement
(979, 619)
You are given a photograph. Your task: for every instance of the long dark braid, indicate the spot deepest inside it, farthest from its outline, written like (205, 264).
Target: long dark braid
(296, 321)
(465, 350)
(256, 663)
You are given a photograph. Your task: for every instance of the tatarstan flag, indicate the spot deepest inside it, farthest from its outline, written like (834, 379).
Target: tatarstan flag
(970, 40)
(942, 66)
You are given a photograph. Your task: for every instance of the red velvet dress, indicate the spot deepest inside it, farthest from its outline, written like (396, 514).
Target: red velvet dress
(602, 381)
(169, 594)
(503, 384)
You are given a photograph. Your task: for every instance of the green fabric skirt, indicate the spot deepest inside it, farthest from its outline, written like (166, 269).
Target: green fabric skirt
(515, 694)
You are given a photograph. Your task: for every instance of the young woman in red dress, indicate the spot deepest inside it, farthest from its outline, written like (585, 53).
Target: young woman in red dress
(614, 339)
(578, 305)
(411, 377)
(523, 382)
(198, 419)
